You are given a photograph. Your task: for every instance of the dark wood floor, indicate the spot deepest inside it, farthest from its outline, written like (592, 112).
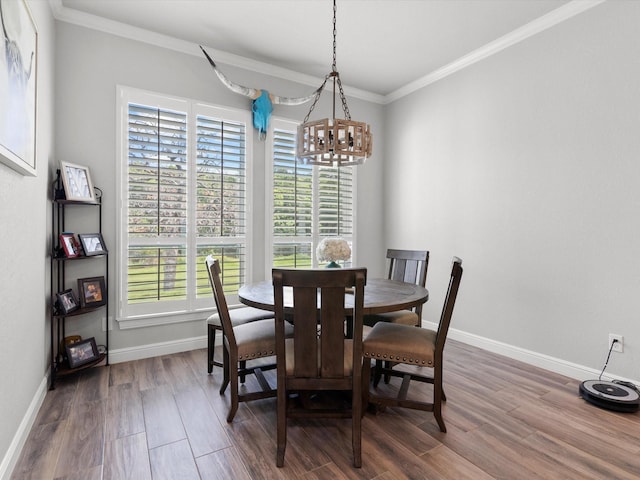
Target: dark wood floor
(163, 418)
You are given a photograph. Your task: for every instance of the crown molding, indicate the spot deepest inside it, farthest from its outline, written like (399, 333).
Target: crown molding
(68, 15)
(569, 10)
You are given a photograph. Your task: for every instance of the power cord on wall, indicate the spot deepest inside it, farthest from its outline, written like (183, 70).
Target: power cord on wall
(613, 342)
(619, 382)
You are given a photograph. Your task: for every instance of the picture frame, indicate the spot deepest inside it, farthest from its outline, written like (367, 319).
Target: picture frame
(82, 352)
(70, 245)
(76, 180)
(92, 244)
(67, 301)
(92, 292)
(18, 78)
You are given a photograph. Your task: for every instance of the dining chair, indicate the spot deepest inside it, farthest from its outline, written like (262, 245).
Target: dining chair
(243, 342)
(319, 366)
(394, 344)
(409, 266)
(238, 317)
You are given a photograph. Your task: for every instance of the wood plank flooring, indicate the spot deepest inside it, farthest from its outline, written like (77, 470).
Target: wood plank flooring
(163, 418)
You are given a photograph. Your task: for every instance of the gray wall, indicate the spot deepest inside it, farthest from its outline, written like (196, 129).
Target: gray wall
(523, 164)
(90, 66)
(526, 166)
(24, 281)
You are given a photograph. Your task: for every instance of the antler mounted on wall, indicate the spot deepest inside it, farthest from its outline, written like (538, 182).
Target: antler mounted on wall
(263, 101)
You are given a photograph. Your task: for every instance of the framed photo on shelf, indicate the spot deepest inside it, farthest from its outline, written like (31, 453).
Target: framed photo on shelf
(92, 291)
(92, 244)
(67, 301)
(69, 245)
(82, 352)
(77, 183)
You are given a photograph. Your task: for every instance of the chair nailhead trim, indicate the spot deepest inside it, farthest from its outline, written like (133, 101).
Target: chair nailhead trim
(384, 356)
(257, 355)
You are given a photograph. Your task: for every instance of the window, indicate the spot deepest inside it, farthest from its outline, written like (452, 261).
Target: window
(184, 194)
(308, 202)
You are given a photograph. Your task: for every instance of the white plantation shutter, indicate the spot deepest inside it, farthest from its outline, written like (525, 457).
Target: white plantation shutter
(292, 204)
(309, 202)
(335, 202)
(184, 197)
(157, 171)
(157, 203)
(221, 193)
(221, 178)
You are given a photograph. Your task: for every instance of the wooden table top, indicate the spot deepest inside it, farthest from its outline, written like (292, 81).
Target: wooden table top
(380, 296)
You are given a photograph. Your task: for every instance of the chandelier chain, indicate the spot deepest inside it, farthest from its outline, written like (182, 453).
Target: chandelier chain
(316, 98)
(345, 107)
(335, 10)
(333, 142)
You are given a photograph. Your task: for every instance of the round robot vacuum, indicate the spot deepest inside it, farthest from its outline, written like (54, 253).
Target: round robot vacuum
(617, 396)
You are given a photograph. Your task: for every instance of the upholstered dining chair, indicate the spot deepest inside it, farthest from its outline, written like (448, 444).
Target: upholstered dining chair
(394, 343)
(242, 342)
(409, 266)
(319, 362)
(238, 317)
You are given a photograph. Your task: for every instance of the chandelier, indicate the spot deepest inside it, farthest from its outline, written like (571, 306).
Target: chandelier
(332, 141)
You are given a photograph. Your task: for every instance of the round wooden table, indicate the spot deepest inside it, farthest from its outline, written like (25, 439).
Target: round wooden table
(380, 296)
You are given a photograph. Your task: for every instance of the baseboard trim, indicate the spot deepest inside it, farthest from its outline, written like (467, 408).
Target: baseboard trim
(157, 349)
(12, 456)
(556, 365)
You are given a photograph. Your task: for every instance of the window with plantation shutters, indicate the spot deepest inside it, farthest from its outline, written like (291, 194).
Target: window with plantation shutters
(157, 204)
(183, 197)
(309, 202)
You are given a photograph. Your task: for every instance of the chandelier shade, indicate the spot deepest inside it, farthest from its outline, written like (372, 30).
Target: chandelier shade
(333, 141)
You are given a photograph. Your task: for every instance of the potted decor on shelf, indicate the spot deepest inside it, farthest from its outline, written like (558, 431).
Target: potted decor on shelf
(333, 249)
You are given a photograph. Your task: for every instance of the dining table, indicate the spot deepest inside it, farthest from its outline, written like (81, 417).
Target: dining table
(381, 295)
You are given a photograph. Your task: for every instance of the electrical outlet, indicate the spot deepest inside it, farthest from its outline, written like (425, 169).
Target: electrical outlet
(619, 345)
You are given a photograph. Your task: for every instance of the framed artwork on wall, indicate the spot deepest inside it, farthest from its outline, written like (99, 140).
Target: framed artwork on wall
(18, 87)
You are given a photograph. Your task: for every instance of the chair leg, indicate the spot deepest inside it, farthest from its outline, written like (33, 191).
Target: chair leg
(357, 410)
(243, 366)
(211, 346)
(387, 376)
(233, 374)
(225, 369)
(437, 398)
(366, 378)
(377, 373)
(281, 424)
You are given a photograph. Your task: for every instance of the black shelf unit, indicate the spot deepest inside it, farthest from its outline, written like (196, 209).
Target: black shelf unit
(59, 263)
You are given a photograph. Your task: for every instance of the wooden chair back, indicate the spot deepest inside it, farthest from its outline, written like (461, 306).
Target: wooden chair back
(447, 308)
(318, 317)
(213, 269)
(319, 357)
(409, 266)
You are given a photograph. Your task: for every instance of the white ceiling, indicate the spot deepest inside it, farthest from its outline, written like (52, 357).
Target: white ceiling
(383, 46)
